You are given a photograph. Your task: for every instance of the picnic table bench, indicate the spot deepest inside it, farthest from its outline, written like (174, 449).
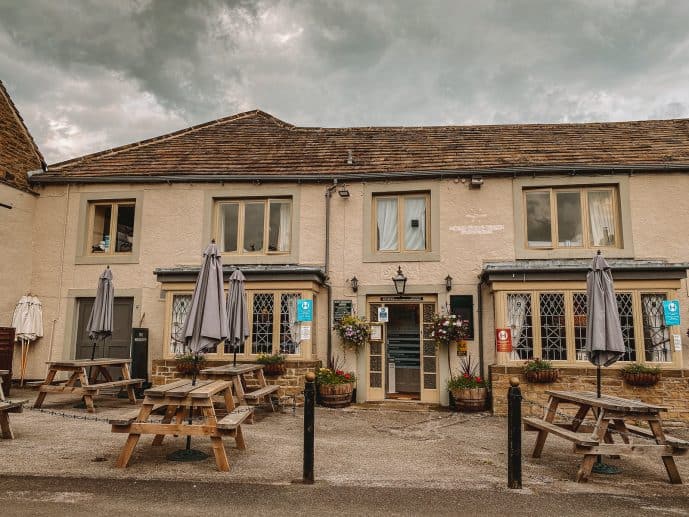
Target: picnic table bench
(7, 407)
(176, 400)
(610, 415)
(237, 375)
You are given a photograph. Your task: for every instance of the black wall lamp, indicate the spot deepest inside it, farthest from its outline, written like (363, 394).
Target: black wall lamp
(354, 282)
(400, 281)
(343, 192)
(448, 283)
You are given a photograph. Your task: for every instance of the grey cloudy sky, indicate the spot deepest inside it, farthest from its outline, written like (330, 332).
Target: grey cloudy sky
(88, 75)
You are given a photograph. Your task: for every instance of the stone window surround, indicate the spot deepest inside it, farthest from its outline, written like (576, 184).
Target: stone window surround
(619, 182)
(243, 192)
(82, 256)
(432, 254)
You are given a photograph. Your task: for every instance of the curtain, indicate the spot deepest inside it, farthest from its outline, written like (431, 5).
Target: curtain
(293, 324)
(285, 227)
(415, 237)
(386, 211)
(657, 331)
(602, 218)
(516, 317)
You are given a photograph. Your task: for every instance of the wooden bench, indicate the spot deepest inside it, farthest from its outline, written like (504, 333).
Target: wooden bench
(129, 417)
(113, 384)
(232, 420)
(537, 424)
(264, 392)
(7, 407)
(676, 443)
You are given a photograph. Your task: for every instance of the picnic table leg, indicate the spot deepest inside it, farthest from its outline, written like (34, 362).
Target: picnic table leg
(5, 429)
(133, 438)
(542, 433)
(579, 417)
(169, 413)
(88, 397)
(585, 468)
(600, 432)
(619, 426)
(131, 394)
(216, 441)
(239, 389)
(41, 395)
(668, 461)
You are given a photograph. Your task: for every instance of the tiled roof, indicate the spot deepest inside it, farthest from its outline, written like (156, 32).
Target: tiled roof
(18, 151)
(257, 144)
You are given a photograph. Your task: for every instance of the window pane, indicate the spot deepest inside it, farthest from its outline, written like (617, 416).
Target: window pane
(656, 334)
(415, 223)
(580, 307)
(569, 219)
(180, 308)
(553, 338)
(386, 216)
(279, 226)
(289, 328)
(125, 228)
(538, 224)
(229, 222)
(520, 321)
(601, 218)
(625, 308)
(262, 326)
(253, 226)
(100, 240)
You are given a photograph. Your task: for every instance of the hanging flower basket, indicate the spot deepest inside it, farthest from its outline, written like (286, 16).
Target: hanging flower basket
(275, 369)
(354, 332)
(190, 364)
(538, 371)
(273, 365)
(638, 374)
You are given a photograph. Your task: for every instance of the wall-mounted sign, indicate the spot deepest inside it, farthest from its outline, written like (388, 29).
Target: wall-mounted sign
(399, 297)
(677, 340)
(503, 340)
(305, 332)
(341, 308)
(376, 332)
(383, 314)
(671, 312)
(304, 310)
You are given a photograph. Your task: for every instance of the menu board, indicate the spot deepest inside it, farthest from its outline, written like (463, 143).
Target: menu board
(341, 308)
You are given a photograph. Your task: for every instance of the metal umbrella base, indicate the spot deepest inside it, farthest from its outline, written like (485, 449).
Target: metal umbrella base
(187, 455)
(603, 468)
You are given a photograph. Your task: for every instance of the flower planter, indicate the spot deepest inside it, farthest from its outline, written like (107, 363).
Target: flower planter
(336, 395)
(188, 368)
(641, 379)
(470, 399)
(542, 376)
(274, 369)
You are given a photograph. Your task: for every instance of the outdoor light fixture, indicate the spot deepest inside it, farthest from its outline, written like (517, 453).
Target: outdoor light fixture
(400, 281)
(343, 192)
(354, 282)
(448, 283)
(476, 181)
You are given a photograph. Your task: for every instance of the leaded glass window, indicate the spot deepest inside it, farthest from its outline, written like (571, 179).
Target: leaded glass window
(180, 309)
(553, 336)
(656, 334)
(262, 323)
(579, 307)
(520, 321)
(289, 328)
(625, 307)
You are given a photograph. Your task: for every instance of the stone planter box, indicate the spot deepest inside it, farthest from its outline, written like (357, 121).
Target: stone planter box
(542, 376)
(641, 379)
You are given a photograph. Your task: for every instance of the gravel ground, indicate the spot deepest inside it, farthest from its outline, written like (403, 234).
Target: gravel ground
(354, 447)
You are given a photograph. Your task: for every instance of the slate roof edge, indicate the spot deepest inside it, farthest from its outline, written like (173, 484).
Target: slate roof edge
(27, 133)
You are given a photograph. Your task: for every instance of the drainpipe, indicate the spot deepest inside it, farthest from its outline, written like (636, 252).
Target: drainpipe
(479, 302)
(328, 287)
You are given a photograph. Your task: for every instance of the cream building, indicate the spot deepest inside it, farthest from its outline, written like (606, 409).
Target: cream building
(496, 223)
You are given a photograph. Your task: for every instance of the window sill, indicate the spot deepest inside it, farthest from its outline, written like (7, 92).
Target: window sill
(290, 258)
(405, 256)
(559, 253)
(130, 258)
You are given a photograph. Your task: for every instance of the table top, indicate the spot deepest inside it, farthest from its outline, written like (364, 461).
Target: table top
(232, 370)
(4, 372)
(80, 363)
(606, 402)
(185, 389)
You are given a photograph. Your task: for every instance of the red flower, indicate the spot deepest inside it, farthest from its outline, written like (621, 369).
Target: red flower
(478, 379)
(347, 376)
(338, 372)
(466, 375)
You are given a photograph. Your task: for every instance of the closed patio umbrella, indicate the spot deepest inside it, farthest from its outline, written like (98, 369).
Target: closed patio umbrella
(99, 325)
(205, 325)
(27, 321)
(237, 314)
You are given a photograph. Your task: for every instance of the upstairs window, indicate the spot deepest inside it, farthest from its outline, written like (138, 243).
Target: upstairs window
(401, 222)
(111, 227)
(572, 218)
(254, 226)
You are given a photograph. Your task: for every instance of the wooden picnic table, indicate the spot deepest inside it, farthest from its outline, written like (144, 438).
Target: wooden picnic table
(6, 407)
(237, 374)
(175, 400)
(85, 385)
(610, 416)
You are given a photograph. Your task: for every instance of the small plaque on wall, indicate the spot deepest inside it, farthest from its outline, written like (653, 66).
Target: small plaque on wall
(341, 308)
(376, 332)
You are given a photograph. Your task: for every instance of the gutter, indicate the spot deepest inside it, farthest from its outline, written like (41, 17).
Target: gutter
(305, 177)
(479, 302)
(328, 286)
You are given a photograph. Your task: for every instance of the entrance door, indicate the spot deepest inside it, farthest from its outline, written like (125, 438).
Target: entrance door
(404, 352)
(117, 346)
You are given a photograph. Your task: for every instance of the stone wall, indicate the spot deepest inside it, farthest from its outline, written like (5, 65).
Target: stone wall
(672, 390)
(291, 383)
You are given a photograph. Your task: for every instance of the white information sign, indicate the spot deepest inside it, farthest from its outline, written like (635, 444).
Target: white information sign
(677, 340)
(305, 333)
(383, 314)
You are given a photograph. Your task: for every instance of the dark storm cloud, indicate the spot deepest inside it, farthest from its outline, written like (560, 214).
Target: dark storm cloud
(89, 75)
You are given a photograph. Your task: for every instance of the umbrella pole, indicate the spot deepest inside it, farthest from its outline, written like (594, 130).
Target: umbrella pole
(598, 382)
(234, 361)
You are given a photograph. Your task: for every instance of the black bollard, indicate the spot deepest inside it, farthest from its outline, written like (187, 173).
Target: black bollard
(309, 414)
(514, 435)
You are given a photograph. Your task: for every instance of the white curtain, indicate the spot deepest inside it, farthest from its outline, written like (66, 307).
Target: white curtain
(285, 227)
(415, 237)
(293, 324)
(658, 332)
(602, 218)
(516, 317)
(386, 211)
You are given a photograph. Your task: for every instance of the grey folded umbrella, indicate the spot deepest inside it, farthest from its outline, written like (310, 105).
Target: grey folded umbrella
(99, 325)
(237, 314)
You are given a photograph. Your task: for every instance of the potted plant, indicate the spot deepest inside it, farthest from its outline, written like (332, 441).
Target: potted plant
(190, 363)
(273, 364)
(335, 387)
(354, 332)
(638, 374)
(540, 371)
(468, 389)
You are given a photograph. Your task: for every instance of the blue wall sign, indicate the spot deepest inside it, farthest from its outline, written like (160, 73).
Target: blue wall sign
(671, 311)
(304, 310)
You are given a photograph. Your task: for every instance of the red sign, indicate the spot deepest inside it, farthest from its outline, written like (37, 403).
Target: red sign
(503, 340)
